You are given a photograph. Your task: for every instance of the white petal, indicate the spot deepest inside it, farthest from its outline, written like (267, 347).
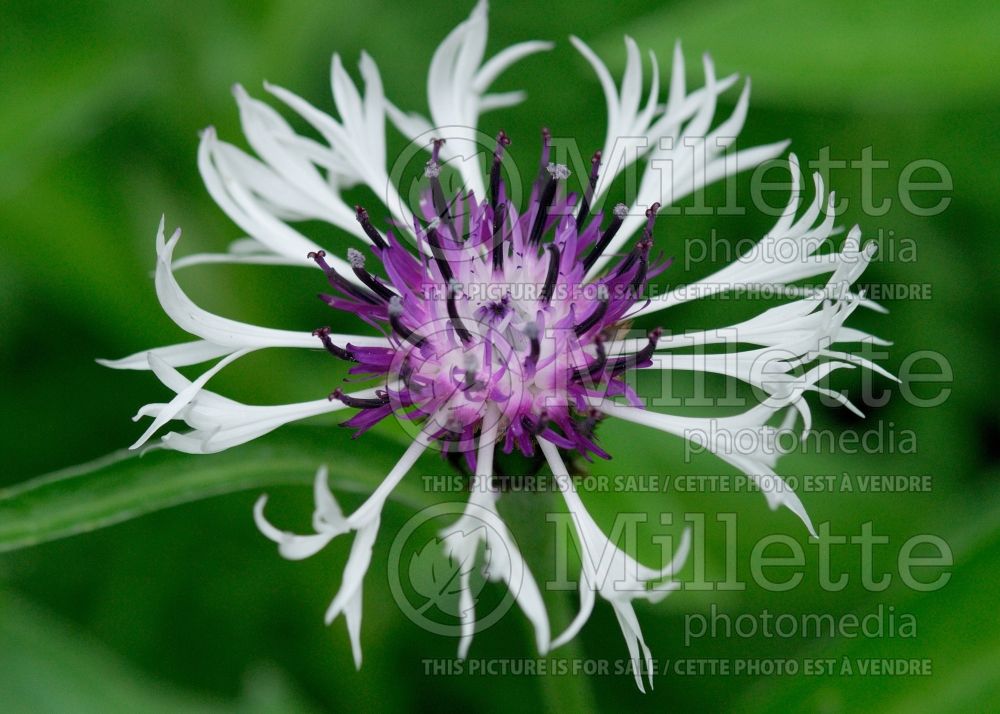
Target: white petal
(290, 546)
(217, 330)
(352, 614)
(355, 570)
(629, 625)
(683, 155)
(719, 435)
(587, 598)
(457, 82)
(181, 355)
(183, 397)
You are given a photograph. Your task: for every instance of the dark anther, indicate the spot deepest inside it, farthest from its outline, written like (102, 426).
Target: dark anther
(498, 217)
(436, 145)
(552, 274)
(593, 318)
(323, 334)
(433, 173)
(366, 225)
(641, 252)
(357, 261)
(502, 141)
(338, 281)
(380, 400)
(434, 241)
(546, 150)
(621, 210)
(406, 376)
(535, 427)
(602, 359)
(470, 376)
(556, 172)
(588, 192)
(650, 220)
(627, 264)
(640, 357)
(588, 425)
(531, 332)
(456, 320)
(395, 313)
(595, 370)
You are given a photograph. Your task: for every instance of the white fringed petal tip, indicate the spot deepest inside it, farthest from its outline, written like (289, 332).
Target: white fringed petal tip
(291, 178)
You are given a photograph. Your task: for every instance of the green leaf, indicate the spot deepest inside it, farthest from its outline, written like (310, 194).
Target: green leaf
(887, 56)
(126, 485)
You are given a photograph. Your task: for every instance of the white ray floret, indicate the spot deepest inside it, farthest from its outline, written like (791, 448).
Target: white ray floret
(457, 83)
(611, 572)
(329, 522)
(682, 154)
(790, 252)
(746, 441)
(502, 561)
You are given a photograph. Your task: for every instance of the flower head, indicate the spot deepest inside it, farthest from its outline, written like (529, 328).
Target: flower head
(492, 319)
(498, 323)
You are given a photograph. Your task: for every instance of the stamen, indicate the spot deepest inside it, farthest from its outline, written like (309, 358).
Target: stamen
(380, 400)
(637, 358)
(366, 225)
(556, 173)
(323, 334)
(640, 274)
(531, 332)
(588, 192)
(620, 212)
(641, 251)
(553, 273)
(535, 427)
(650, 220)
(357, 261)
(602, 358)
(593, 372)
(546, 150)
(433, 173)
(434, 241)
(587, 426)
(498, 218)
(502, 141)
(471, 368)
(456, 320)
(395, 313)
(595, 316)
(338, 281)
(406, 377)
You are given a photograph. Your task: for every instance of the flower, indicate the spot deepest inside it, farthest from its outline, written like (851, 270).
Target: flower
(502, 325)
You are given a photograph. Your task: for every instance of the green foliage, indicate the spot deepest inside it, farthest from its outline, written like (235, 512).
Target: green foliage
(127, 485)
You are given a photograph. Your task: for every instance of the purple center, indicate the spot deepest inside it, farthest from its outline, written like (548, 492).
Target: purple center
(491, 322)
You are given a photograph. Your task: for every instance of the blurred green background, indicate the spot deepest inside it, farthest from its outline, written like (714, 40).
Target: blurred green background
(190, 609)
